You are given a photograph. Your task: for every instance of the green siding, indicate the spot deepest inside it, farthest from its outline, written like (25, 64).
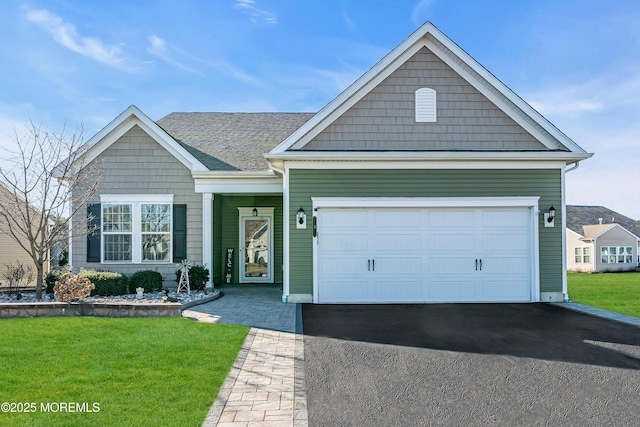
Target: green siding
(305, 184)
(226, 226)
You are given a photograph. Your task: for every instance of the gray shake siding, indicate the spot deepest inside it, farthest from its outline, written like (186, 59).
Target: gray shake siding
(385, 118)
(136, 164)
(305, 184)
(618, 238)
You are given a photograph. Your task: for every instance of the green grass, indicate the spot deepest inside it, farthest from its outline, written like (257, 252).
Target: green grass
(141, 372)
(618, 292)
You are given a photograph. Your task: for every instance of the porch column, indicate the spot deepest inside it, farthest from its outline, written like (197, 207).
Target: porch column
(207, 235)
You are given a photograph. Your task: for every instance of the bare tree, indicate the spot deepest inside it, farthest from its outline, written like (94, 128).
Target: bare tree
(45, 184)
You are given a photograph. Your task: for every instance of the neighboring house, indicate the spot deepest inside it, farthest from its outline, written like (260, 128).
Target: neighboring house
(427, 180)
(11, 253)
(596, 242)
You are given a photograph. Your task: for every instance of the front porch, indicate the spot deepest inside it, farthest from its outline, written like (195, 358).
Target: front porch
(247, 239)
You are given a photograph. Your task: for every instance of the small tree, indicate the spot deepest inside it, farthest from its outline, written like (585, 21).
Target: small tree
(44, 183)
(17, 275)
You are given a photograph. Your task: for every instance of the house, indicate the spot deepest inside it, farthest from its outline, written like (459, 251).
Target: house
(427, 180)
(12, 254)
(597, 241)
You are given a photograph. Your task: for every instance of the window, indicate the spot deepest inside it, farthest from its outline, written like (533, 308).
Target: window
(137, 230)
(616, 254)
(425, 99)
(117, 230)
(583, 255)
(156, 231)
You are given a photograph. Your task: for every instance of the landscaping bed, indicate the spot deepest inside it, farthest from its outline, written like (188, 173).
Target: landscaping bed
(156, 304)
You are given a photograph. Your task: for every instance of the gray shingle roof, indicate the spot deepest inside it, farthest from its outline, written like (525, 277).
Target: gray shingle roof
(579, 216)
(232, 141)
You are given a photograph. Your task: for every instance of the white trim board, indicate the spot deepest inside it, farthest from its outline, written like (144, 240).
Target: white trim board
(424, 202)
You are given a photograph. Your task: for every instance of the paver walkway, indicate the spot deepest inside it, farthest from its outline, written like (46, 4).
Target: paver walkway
(265, 386)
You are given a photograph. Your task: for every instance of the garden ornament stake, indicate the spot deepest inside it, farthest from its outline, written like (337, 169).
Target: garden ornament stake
(184, 277)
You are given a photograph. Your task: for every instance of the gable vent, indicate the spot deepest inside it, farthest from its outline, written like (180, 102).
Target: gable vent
(425, 105)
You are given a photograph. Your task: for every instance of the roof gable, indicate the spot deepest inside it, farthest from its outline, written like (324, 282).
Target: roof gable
(579, 216)
(428, 36)
(129, 118)
(592, 232)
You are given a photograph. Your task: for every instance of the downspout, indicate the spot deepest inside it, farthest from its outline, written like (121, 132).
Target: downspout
(285, 230)
(565, 290)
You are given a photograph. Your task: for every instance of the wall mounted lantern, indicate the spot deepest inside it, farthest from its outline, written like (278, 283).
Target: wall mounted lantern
(255, 211)
(301, 219)
(549, 217)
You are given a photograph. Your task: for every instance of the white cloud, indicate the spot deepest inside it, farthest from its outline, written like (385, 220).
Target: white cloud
(249, 8)
(418, 15)
(180, 58)
(66, 35)
(602, 94)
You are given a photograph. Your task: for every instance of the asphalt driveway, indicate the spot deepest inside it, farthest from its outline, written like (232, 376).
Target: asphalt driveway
(468, 364)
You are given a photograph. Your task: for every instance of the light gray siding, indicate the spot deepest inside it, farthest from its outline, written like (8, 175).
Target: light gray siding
(616, 237)
(305, 184)
(137, 164)
(385, 118)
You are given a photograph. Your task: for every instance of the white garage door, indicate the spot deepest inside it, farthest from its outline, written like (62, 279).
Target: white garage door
(386, 255)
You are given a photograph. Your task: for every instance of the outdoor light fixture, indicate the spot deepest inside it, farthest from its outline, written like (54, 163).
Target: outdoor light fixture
(301, 218)
(255, 211)
(549, 217)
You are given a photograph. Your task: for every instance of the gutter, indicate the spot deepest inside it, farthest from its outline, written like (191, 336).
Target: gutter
(565, 288)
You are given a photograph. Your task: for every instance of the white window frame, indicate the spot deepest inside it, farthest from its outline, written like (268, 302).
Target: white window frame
(580, 255)
(136, 201)
(622, 255)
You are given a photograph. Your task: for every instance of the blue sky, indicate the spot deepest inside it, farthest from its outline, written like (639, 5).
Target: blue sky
(72, 61)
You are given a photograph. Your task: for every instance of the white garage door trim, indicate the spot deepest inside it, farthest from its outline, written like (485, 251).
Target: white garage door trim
(453, 202)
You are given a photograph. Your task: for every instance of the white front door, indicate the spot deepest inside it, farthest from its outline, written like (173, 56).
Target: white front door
(256, 245)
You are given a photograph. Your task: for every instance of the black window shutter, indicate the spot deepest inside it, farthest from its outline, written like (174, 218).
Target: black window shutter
(179, 233)
(94, 212)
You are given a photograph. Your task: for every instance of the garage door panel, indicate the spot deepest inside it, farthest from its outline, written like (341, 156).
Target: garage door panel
(451, 266)
(397, 242)
(508, 289)
(344, 242)
(452, 218)
(397, 267)
(447, 290)
(505, 242)
(338, 291)
(338, 266)
(506, 265)
(344, 218)
(451, 242)
(505, 218)
(424, 255)
(406, 291)
(398, 218)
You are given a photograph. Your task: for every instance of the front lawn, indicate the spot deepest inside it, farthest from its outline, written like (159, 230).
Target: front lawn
(89, 371)
(619, 292)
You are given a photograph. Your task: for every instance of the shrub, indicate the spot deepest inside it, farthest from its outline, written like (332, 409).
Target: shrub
(148, 279)
(51, 278)
(72, 288)
(106, 282)
(198, 277)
